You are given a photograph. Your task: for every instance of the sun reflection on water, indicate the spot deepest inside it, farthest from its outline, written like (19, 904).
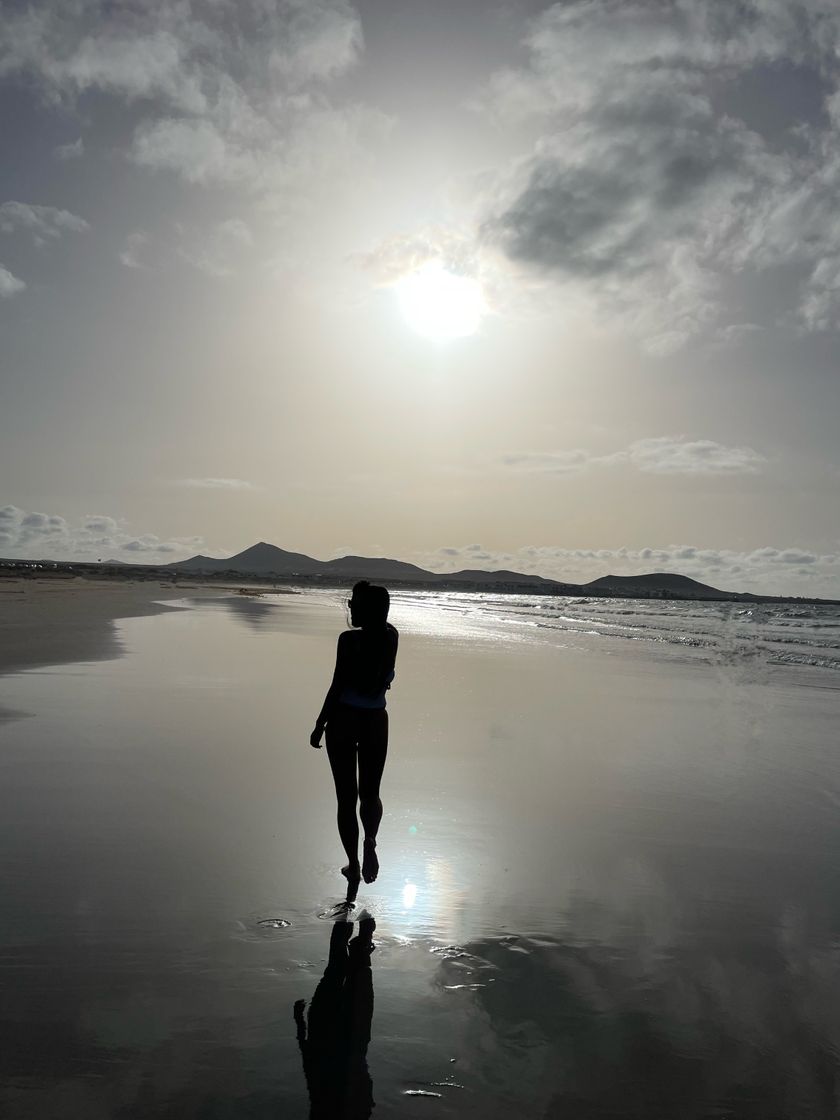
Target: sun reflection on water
(409, 895)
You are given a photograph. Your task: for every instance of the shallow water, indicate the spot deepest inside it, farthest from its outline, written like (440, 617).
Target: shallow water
(609, 877)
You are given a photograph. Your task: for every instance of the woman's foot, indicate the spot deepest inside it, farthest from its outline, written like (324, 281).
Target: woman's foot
(370, 864)
(351, 872)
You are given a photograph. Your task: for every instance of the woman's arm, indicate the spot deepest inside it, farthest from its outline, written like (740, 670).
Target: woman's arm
(334, 691)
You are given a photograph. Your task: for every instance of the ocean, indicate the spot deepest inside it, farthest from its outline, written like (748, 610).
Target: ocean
(769, 634)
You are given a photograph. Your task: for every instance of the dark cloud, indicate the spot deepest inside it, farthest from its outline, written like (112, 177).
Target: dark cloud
(652, 184)
(42, 524)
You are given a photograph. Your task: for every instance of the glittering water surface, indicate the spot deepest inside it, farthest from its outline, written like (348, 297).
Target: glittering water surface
(609, 885)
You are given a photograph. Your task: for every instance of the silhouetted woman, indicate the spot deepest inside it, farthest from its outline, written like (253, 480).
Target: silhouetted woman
(357, 724)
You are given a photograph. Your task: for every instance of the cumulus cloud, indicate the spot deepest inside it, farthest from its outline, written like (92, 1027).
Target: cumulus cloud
(44, 223)
(216, 483)
(10, 285)
(42, 536)
(657, 455)
(768, 571)
(97, 523)
(226, 93)
(196, 149)
(653, 186)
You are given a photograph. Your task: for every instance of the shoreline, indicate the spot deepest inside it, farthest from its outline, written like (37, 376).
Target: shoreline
(481, 582)
(47, 621)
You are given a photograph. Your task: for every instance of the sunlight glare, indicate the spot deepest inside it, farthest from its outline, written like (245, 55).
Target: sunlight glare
(439, 304)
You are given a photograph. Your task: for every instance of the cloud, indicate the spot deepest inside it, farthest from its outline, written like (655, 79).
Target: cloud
(225, 93)
(70, 151)
(196, 149)
(657, 455)
(216, 483)
(96, 523)
(678, 455)
(42, 536)
(769, 571)
(322, 41)
(20, 530)
(551, 462)
(180, 54)
(74, 48)
(400, 254)
(44, 223)
(10, 285)
(130, 254)
(655, 186)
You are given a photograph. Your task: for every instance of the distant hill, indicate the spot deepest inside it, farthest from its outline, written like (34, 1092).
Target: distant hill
(259, 559)
(268, 560)
(374, 567)
(480, 575)
(656, 581)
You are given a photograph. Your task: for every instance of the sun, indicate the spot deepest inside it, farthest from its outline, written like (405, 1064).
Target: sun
(439, 304)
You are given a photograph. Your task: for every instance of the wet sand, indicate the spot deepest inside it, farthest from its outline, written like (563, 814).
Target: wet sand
(606, 889)
(53, 621)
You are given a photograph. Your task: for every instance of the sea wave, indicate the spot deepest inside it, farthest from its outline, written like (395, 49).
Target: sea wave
(776, 633)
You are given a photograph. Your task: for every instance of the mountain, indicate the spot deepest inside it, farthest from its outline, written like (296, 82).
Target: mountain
(654, 582)
(479, 575)
(259, 559)
(374, 567)
(268, 560)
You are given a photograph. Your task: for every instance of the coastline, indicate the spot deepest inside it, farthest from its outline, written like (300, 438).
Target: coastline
(668, 586)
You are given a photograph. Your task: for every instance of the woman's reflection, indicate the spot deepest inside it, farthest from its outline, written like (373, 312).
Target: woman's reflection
(334, 1043)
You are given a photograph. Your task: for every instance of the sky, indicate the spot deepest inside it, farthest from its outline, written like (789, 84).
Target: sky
(469, 283)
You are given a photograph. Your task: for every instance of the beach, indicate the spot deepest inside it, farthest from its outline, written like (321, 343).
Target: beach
(608, 867)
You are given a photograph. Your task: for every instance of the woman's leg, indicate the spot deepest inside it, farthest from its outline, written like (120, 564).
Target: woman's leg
(341, 751)
(373, 750)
